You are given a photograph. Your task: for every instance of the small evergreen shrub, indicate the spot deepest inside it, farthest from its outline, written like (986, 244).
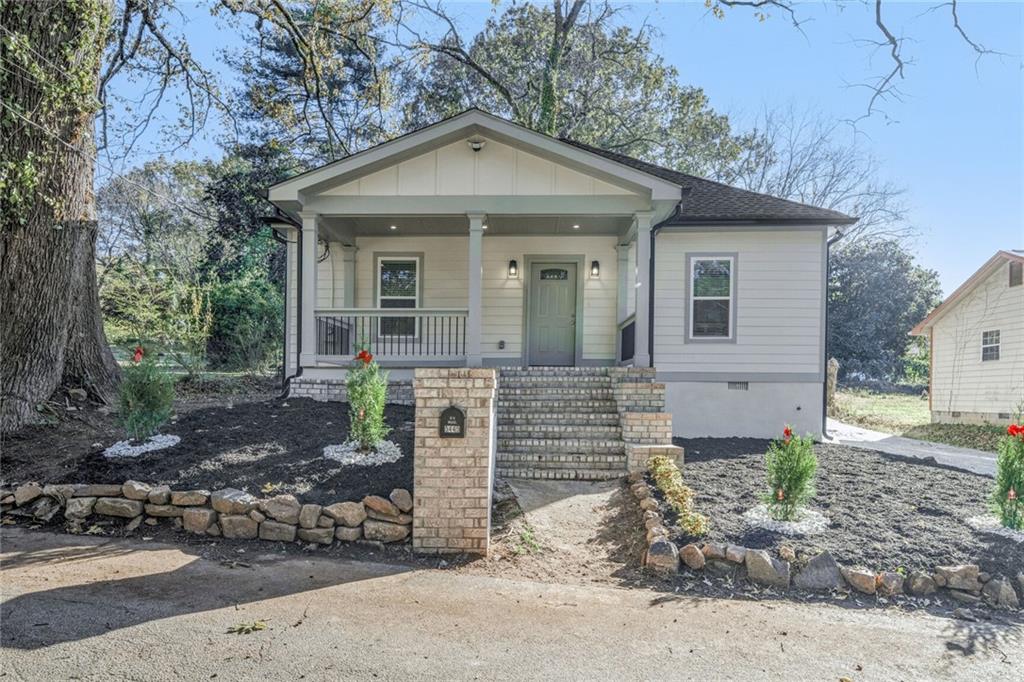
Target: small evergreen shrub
(1006, 498)
(790, 465)
(146, 397)
(679, 496)
(367, 388)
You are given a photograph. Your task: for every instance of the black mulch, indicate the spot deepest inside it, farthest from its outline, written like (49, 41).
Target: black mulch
(886, 512)
(246, 445)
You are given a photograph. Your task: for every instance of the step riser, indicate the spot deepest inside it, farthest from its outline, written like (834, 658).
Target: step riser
(560, 432)
(560, 474)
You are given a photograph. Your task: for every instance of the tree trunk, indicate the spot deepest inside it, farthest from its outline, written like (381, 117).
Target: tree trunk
(50, 327)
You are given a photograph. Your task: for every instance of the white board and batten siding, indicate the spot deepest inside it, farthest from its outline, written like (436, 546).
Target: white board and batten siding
(963, 383)
(771, 373)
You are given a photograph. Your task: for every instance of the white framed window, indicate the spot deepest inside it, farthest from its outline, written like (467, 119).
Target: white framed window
(398, 286)
(712, 297)
(990, 345)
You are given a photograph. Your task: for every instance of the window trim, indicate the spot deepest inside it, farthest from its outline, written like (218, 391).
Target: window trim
(691, 260)
(986, 346)
(380, 259)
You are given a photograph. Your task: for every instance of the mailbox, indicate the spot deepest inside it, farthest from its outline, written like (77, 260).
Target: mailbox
(453, 423)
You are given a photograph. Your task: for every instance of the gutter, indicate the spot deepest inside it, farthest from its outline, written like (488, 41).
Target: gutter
(824, 360)
(286, 379)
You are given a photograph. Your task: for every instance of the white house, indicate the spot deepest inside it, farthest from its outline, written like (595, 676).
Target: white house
(478, 242)
(977, 346)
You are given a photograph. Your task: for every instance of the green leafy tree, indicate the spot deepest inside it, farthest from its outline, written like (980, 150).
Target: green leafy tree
(790, 466)
(247, 323)
(146, 398)
(1008, 495)
(367, 388)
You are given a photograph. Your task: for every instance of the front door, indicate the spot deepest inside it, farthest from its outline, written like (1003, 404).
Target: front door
(552, 314)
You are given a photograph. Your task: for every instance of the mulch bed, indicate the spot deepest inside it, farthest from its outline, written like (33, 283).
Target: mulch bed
(244, 445)
(886, 512)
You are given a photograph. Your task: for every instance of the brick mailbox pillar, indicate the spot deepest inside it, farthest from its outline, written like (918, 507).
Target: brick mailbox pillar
(453, 464)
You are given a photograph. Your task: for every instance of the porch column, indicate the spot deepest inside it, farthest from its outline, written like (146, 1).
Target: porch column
(348, 274)
(474, 319)
(624, 280)
(642, 358)
(307, 316)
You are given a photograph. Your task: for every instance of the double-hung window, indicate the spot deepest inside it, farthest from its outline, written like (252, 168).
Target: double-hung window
(712, 297)
(990, 345)
(398, 286)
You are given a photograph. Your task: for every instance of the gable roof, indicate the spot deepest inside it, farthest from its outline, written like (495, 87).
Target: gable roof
(982, 274)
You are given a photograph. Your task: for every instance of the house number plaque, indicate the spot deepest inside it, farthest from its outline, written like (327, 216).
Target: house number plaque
(453, 423)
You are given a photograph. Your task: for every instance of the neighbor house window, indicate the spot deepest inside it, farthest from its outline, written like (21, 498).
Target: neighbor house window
(990, 345)
(712, 297)
(1016, 274)
(398, 286)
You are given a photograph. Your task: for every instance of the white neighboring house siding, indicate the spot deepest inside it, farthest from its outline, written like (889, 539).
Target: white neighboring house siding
(961, 381)
(777, 349)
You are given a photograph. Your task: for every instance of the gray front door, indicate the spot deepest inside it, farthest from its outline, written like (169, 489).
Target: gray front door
(552, 314)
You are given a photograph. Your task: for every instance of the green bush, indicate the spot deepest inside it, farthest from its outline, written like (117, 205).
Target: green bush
(790, 465)
(248, 313)
(1006, 498)
(367, 388)
(669, 480)
(146, 398)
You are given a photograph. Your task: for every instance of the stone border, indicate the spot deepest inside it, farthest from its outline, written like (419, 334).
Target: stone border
(228, 513)
(966, 584)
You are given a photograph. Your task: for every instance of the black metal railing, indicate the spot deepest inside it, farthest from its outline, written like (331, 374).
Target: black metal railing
(392, 333)
(627, 340)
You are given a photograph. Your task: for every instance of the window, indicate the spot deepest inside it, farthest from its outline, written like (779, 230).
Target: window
(990, 345)
(711, 297)
(1016, 274)
(398, 286)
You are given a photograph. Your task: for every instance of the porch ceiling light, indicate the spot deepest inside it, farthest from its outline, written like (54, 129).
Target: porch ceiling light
(394, 227)
(513, 269)
(476, 144)
(575, 227)
(595, 269)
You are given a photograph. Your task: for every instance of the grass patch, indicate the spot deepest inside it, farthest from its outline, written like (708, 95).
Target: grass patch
(977, 436)
(527, 541)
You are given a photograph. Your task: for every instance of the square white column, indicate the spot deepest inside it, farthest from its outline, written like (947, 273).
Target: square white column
(474, 319)
(307, 315)
(642, 356)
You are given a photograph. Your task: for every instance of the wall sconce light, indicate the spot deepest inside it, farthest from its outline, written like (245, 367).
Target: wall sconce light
(513, 269)
(595, 269)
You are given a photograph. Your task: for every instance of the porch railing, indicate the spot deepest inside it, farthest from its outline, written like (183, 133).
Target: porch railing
(397, 335)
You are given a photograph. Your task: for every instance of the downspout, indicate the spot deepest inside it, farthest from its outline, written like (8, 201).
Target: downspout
(286, 382)
(824, 361)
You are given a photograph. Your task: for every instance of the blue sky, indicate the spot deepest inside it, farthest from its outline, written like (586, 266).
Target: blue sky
(956, 142)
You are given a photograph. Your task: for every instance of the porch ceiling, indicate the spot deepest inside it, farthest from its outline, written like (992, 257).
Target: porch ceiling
(344, 229)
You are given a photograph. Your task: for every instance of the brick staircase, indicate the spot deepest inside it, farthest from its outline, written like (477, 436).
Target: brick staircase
(562, 422)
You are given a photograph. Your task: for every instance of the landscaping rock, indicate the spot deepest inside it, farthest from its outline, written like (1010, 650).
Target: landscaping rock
(402, 499)
(889, 583)
(98, 490)
(283, 508)
(308, 516)
(24, 494)
(860, 580)
(134, 490)
(965, 614)
(132, 525)
(712, 550)
(151, 521)
(999, 592)
(963, 577)
(920, 584)
(764, 570)
(787, 553)
(735, 554)
(189, 498)
(349, 514)
(384, 531)
(118, 506)
(198, 519)
(238, 526)
(379, 504)
(656, 532)
(321, 536)
(348, 534)
(232, 501)
(44, 509)
(62, 492)
(649, 504)
(651, 519)
(1020, 581)
(965, 597)
(257, 516)
(404, 519)
(692, 557)
(213, 530)
(324, 521)
(662, 557)
(821, 573)
(164, 510)
(641, 491)
(159, 494)
(79, 507)
(272, 530)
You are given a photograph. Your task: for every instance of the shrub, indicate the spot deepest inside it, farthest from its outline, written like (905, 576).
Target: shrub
(1006, 498)
(669, 480)
(146, 398)
(367, 388)
(790, 465)
(247, 320)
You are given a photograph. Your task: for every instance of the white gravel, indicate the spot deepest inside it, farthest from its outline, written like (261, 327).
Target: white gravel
(988, 523)
(349, 453)
(124, 448)
(808, 521)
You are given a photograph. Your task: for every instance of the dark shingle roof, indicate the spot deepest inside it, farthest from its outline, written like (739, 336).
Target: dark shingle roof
(708, 202)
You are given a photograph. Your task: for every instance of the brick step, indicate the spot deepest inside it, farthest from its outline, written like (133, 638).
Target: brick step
(568, 446)
(523, 404)
(553, 382)
(559, 431)
(555, 393)
(543, 418)
(554, 461)
(552, 371)
(560, 474)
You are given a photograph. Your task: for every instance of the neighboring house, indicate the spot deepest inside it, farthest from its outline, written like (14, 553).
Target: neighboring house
(976, 338)
(478, 242)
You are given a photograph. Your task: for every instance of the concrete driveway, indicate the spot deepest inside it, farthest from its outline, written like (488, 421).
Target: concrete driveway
(96, 609)
(975, 461)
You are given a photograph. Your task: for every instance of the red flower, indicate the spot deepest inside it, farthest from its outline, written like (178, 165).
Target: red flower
(1012, 495)
(779, 495)
(138, 354)
(787, 433)
(1015, 430)
(365, 356)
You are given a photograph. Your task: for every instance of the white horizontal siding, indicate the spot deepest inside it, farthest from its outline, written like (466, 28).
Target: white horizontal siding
(445, 266)
(778, 302)
(961, 382)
